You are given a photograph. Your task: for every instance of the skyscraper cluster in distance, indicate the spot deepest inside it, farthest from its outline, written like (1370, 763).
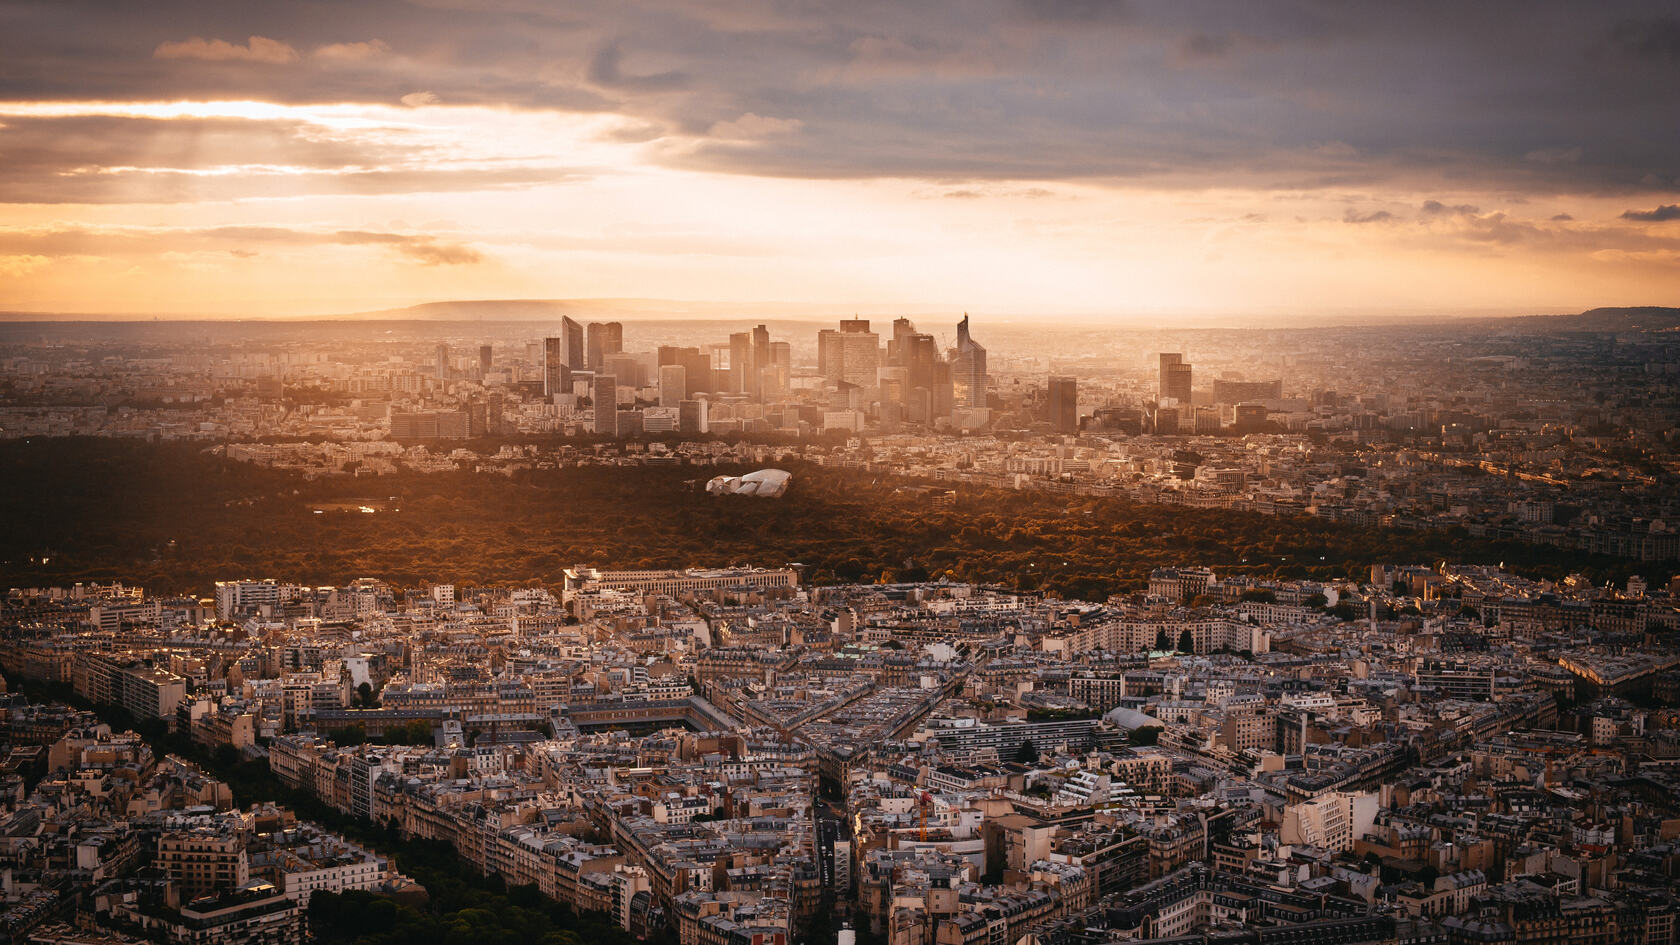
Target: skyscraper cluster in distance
(750, 380)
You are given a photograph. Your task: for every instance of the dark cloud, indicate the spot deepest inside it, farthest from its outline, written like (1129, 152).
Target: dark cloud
(239, 241)
(1562, 218)
(1432, 94)
(1375, 216)
(604, 69)
(1657, 38)
(110, 159)
(1434, 208)
(1662, 214)
(1076, 11)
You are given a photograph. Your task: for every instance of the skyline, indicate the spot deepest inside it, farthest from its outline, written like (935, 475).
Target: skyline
(1235, 166)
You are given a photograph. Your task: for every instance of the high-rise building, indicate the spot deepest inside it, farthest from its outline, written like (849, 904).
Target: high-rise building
(603, 340)
(760, 360)
(697, 368)
(850, 355)
(1235, 392)
(486, 359)
(443, 362)
(897, 346)
(673, 382)
(1175, 378)
(778, 374)
(968, 369)
(557, 375)
(571, 338)
(691, 416)
(562, 354)
(1064, 404)
(740, 362)
(604, 393)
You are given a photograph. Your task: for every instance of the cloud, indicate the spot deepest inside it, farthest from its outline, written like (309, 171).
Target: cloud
(16, 267)
(1657, 38)
(755, 126)
(1561, 218)
(422, 249)
(419, 99)
(1435, 208)
(352, 52)
(239, 241)
(1662, 214)
(1375, 216)
(1422, 97)
(257, 49)
(1554, 155)
(100, 159)
(605, 68)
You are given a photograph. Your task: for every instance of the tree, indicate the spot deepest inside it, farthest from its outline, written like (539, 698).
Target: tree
(1028, 752)
(1186, 641)
(1162, 641)
(364, 695)
(1317, 601)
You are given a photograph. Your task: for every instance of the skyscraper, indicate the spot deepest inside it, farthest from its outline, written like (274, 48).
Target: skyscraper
(571, 333)
(604, 392)
(443, 362)
(557, 375)
(760, 360)
(1064, 404)
(968, 369)
(740, 362)
(486, 359)
(1175, 377)
(850, 355)
(603, 340)
(673, 381)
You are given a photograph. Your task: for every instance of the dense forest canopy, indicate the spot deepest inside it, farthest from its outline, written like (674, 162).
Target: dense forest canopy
(174, 518)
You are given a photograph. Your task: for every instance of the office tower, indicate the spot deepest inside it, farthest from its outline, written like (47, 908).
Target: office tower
(691, 416)
(1064, 404)
(760, 360)
(673, 383)
(603, 340)
(594, 345)
(604, 393)
(630, 369)
(486, 359)
(1175, 377)
(571, 337)
(697, 368)
(443, 362)
(1236, 392)
(968, 369)
(897, 346)
(777, 375)
(557, 374)
(740, 362)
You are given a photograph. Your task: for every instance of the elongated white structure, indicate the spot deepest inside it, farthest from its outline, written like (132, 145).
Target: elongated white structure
(771, 483)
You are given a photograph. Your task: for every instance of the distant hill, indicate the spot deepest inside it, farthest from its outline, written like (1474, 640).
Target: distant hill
(1630, 318)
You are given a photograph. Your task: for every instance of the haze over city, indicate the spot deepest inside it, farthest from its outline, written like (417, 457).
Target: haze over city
(1235, 164)
(1009, 472)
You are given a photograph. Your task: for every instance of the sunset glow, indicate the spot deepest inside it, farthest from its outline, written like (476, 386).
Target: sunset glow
(1023, 161)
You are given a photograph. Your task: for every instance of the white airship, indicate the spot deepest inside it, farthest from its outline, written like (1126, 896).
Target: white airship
(770, 483)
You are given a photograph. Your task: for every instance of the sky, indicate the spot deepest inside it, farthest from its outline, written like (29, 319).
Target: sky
(1248, 162)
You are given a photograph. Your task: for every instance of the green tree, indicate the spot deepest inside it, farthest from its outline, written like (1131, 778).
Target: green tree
(1028, 752)
(1146, 735)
